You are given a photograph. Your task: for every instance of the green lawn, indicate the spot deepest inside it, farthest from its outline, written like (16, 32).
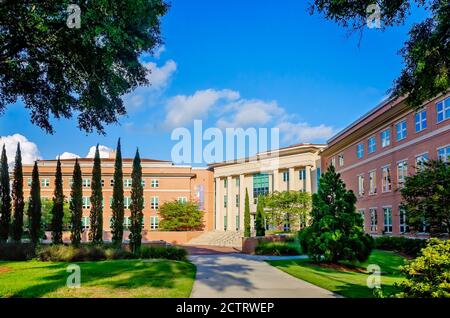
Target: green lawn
(120, 278)
(347, 283)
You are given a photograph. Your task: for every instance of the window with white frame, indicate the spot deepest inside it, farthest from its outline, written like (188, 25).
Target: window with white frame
(387, 220)
(420, 119)
(85, 222)
(386, 184)
(360, 150)
(126, 223)
(182, 199)
(404, 228)
(444, 153)
(341, 159)
(443, 110)
(126, 202)
(86, 183)
(86, 202)
(155, 183)
(285, 176)
(127, 183)
(302, 174)
(154, 203)
(372, 145)
(420, 160)
(385, 138)
(361, 185)
(29, 181)
(373, 220)
(372, 182)
(333, 161)
(143, 183)
(401, 130)
(45, 183)
(154, 223)
(402, 172)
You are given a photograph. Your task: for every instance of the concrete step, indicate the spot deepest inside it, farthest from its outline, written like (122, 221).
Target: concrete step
(219, 238)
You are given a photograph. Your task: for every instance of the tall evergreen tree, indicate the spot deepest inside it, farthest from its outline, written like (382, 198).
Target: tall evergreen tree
(17, 196)
(117, 199)
(5, 197)
(137, 204)
(58, 207)
(76, 205)
(34, 206)
(96, 232)
(259, 221)
(247, 231)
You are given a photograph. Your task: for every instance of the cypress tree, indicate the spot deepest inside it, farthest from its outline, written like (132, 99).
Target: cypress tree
(247, 215)
(76, 205)
(17, 196)
(96, 232)
(137, 204)
(259, 221)
(58, 207)
(5, 197)
(34, 207)
(117, 200)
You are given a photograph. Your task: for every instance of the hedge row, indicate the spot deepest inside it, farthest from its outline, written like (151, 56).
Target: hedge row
(408, 246)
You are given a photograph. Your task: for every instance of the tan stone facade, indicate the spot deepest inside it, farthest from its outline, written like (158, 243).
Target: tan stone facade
(291, 168)
(375, 153)
(162, 182)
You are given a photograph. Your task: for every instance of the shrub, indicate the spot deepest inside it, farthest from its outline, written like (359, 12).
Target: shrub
(170, 252)
(16, 251)
(63, 253)
(277, 248)
(428, 276)
(118, 253)
(408, 246)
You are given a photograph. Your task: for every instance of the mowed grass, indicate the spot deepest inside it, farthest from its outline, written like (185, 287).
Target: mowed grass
(106, 279)
(348, 283)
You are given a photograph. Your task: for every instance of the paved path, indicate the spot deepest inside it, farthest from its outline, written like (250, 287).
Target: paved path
(248, 276)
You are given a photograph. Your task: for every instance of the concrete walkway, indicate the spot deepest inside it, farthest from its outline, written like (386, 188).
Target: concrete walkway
(248, 276)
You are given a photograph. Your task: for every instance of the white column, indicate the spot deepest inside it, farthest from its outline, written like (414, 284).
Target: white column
(219, 205)
(276, 180)
(241, 200)
(308, 179)
(231, 208)
(292, 184)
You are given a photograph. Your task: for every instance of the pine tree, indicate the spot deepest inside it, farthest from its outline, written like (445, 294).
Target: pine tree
(247, 231)
(336, 232)
(17, 196)
(96, 232)
(117, 199)
(34, 207)
(259, 221)
(76, 205)
(58, 207)
(137, 204)
(5, 197)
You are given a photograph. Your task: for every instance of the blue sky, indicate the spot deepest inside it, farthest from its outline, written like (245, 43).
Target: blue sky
(243, 64)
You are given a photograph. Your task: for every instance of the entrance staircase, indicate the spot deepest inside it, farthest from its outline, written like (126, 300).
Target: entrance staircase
(219, 238)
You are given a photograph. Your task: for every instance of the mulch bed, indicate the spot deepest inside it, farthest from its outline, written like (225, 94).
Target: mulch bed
(339, 267)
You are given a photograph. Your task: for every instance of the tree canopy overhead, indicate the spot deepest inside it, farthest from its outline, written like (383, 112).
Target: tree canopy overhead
(62, 71)
(426, 54)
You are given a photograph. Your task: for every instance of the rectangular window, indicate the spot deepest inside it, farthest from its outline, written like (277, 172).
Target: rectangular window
(86, 202)
(360, 151)
(443, 110)
(386, 181)
(341, 160)
(85, 222)
(286, 176)
(225, 201)
(373, 220)
(143, 183)
(155, 183)
(126, 223)
(402, 172)
(387, 220)
(29, 181)
(237, 200)
(404, 228)
(45, 183)
(362, 213)
(154, 203)
(372, 182)
(333, 161)
(86, 183)
(182, 199)
(225, 183)
(420, 160)
(126, 202)
(444, 153)
(154, 223)
(361, 185)
(386, 138)
(372, 145)
(302, 174)
(420, 119)
(401, 130)
(260, 185)
(238, 182)
(127, 183)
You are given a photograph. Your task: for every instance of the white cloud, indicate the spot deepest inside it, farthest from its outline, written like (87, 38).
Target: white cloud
(183, 109)
(104, 151)
(158, 51)
(30, 151)
(159, 78)
(303, 132)
(68, 155)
